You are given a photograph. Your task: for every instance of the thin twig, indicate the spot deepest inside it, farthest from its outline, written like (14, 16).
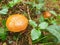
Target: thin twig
(28, 11)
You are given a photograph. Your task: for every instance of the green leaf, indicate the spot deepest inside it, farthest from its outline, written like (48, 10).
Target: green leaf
(53, 12)
(0, 0)
(40, 1)
(41, 19)
(2, 34)
(54, 22)
(29, 3)
(38, 12)
(35, 5)
(4, 23)
(58, 19)
(13, 2)
(43, 25)
(4, 11)
(35, 34)
(54, 30)
(32, 23)
(39, 6)
(16, 1)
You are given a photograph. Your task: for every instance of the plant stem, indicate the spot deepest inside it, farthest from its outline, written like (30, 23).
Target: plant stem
(17, 39)
(28, 12)
(41, 38)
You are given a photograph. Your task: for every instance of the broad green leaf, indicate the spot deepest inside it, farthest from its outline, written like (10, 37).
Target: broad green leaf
(35, 34)
(4, 11)
(32, 23)
(2, 34)
(53, 12)
(43, 25)
(4, 24)
(54, 30)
